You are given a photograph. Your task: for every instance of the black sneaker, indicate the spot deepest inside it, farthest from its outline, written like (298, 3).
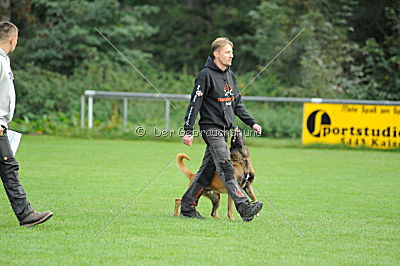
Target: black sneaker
(35, 218)
(193, 214)
(248, 210)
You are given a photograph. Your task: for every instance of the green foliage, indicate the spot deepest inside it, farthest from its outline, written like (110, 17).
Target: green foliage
(65, 32)
(272, 28)
(317, 59)
(328, 60)
(41, 92)
(267, 84)
(342, 53)
(279, 120)
(381, 63)
(327, 53)
(55, 103)
(52, 124)
(187, 28)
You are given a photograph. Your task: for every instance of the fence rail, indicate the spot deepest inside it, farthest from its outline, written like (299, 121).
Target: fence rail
(91, 94)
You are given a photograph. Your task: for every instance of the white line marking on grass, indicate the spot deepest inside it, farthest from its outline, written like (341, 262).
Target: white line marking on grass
(137, 70)
(133, 200)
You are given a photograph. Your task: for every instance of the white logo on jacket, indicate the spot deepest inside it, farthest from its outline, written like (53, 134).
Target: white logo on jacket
(199, 93)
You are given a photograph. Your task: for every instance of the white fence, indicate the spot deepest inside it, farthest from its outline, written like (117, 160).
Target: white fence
(91, 94)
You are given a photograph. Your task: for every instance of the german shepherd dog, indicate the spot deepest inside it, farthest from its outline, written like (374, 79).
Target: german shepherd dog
(243, 174)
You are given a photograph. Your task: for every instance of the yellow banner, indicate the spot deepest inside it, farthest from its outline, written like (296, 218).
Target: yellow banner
(375, 126)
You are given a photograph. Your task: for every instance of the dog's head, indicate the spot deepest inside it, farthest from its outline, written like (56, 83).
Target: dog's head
(238, 144)
(237, 141)
(240, 156)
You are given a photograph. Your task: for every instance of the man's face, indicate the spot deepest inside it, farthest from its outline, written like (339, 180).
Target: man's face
(13, 43)
(224, 55)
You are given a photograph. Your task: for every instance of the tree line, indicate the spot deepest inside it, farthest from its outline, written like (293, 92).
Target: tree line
(348, 49)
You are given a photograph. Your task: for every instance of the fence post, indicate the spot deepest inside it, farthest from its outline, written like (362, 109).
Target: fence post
(167, 111)
(125, 112)
(90, 111)
(83, 111)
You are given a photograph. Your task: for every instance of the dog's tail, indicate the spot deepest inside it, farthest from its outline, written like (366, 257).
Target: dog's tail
(181, 165)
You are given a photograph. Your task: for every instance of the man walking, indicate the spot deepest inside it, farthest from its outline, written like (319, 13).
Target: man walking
(8, 165)
(216, 97)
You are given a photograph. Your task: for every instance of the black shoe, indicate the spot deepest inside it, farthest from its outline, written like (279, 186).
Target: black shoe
(193, 214)
(35, 218)
(248, 210)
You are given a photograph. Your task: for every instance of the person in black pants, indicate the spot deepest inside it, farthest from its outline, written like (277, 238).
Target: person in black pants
(8, 165)
(216, 97)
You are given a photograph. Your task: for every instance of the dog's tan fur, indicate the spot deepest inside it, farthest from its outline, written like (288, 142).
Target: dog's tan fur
(244, 175)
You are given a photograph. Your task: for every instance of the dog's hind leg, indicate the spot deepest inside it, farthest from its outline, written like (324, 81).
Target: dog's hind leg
(215, 199)
(230, 208)
(177, 205)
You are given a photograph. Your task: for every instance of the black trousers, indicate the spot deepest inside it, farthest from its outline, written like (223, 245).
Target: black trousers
(9, 175)
(216, 158)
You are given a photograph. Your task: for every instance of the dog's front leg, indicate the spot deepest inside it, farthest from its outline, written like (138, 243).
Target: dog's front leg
(177, 205)
(230, 208)
(250, 192)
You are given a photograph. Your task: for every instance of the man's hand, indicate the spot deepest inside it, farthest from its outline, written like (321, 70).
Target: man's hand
(188, 140)
(1, 131)
(257, 128)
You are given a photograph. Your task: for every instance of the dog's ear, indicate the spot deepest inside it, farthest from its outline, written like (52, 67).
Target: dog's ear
(240, 134)
(234, 134)
(235, 131)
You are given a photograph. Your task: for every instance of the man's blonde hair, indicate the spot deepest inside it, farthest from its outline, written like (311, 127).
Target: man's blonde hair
(7, 30)
(220, 42)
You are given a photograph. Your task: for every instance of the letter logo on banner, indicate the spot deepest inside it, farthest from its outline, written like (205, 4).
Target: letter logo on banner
(317, 122)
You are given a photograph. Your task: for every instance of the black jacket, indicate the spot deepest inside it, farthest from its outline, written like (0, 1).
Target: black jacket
(217, 97)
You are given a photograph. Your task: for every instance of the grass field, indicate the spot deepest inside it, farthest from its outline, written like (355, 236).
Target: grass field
(344, 202)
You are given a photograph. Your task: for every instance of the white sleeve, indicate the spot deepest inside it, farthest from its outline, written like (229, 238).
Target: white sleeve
(4, 95)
